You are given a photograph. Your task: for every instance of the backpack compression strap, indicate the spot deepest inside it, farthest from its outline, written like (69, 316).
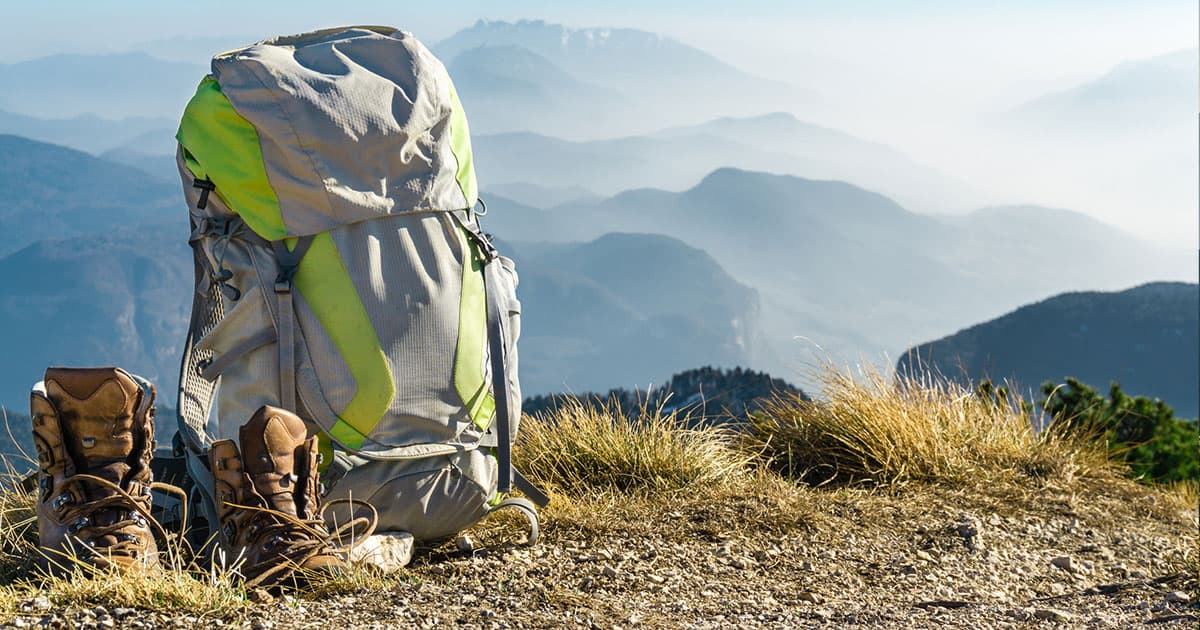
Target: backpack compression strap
(289, 263)
(509, 476)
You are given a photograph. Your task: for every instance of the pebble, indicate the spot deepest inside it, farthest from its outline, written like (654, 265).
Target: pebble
(1052, 614)
(610, 572)
(1063, 562)
(810, 597)
(1178, 597)
(464, 544)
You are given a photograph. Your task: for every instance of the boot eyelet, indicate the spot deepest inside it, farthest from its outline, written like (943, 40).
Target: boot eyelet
(77, 525)
(60, 502)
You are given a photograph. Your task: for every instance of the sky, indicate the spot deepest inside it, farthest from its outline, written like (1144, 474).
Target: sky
(914, 74)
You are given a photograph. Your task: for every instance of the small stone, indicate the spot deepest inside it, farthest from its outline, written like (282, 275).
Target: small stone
(810, 597)
(260, 596)
(107, 622)
(925, 555)
(1021, 614)
(1178, 597)
(609, 572)
(121, 613)
(20, 622)
(464, 544)
(40, 602)
(657, 579)
(469, 599)
(1063, 562)
(741, 563)
(1052, 614)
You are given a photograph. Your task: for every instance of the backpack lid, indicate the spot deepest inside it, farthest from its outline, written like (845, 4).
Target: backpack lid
(303, 133)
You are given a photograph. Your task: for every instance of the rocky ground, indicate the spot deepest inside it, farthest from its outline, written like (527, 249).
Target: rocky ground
(922, 558)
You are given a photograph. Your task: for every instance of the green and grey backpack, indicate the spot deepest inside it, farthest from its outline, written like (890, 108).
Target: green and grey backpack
(341, 273)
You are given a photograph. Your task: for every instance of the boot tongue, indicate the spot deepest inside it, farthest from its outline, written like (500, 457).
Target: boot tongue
(96, 408)
(269, 442)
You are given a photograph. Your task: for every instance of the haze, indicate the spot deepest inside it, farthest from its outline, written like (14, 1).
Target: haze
(929, 78)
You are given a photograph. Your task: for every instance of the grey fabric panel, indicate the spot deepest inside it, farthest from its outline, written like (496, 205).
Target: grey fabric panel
(373, 109)
(412, 297)
(431, 498)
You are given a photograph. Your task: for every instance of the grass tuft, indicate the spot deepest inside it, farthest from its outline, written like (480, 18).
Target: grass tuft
(584, 448)
(868, 430)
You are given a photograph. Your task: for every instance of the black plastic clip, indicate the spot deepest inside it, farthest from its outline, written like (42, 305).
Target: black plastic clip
(206, 186)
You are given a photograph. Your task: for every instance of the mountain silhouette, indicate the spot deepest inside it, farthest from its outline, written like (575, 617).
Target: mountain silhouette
(1144, 338)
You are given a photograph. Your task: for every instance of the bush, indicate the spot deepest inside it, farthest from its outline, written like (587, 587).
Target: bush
(1142, 432)
(868, 430)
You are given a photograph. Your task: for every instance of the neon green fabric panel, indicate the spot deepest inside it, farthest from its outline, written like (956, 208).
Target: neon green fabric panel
(326, 285)
(472, 335)
(460, 144)
(223, 146)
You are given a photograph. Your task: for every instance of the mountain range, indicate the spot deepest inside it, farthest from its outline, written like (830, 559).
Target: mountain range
(52, 192)
(678, 157)
(1144, 338)
(644, 80)
(851, 270)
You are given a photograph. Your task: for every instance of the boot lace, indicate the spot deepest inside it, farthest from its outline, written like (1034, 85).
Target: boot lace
(293, 541)
(84, 531)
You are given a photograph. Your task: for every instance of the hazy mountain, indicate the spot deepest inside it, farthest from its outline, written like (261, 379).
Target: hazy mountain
(507, 88)
(119, 297)
(1145, 338)
(87, 132)
(1133, 97)
(679, 157)
(48, 191)
(627, 309)
(538, 196)
(664, 81)
(850, 269)
(109, 86)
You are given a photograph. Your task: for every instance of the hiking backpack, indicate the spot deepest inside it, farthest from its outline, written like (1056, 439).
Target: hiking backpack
(341, 273)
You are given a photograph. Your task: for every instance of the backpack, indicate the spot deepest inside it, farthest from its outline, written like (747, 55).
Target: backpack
(341, 273)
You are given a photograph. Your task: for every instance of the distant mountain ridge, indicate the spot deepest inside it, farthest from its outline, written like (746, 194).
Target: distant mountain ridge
(657, 81)
(48, 191)
(110, 86)
(678, 157)
(1146, 338)
(851, 270)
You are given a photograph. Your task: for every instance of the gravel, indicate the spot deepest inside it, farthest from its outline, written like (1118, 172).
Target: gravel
(859, 560)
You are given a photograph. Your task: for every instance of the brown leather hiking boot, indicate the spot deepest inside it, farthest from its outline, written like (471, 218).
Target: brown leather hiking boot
(268, 502)
(94, 433)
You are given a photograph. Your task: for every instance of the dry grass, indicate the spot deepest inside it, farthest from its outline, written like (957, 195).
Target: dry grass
(868, 430)
(584, 449)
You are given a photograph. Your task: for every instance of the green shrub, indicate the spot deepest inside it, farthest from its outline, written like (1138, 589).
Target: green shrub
(1142, 432)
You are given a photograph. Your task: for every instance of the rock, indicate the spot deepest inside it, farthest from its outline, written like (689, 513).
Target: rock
(1178, 597)
(121, 613)
(810, 597)
(1063, 562)
(1021, 614)
(609, 572)
(741, 563)
(389, 552)
(464, 544)
(925, 555)
(40, 602)
(260, 596)
(1052, 614)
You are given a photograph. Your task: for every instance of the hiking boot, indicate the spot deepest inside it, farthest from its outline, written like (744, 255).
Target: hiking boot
(94, 433)
(268, 503)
